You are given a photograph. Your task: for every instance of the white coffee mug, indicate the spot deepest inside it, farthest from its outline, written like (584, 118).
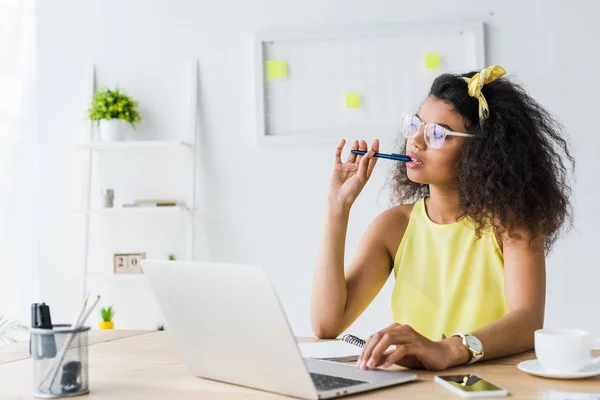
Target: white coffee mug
(563, 350)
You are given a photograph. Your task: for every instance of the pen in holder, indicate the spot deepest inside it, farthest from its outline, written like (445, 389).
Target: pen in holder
(65, 374)
(71, 361)
(40, 318)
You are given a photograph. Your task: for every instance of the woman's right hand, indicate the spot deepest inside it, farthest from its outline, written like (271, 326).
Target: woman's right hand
(349, 178)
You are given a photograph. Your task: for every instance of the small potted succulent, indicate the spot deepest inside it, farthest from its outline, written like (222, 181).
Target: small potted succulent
(107, 314)
(111, 110)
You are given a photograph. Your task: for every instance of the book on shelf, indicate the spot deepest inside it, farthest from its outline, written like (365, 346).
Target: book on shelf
(153, 203)
(157, 202)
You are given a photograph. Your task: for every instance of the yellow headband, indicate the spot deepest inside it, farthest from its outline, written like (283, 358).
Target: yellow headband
(476, 83)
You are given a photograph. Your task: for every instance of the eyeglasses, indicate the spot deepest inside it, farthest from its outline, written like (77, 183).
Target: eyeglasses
(435, 134)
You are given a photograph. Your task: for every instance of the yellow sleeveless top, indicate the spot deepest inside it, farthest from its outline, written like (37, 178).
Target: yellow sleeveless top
(447, 279)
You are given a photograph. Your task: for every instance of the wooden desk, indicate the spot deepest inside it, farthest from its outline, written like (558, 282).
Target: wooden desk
(146, 365)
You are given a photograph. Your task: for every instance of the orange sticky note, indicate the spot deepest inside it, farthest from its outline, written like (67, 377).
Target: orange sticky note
(432, 61)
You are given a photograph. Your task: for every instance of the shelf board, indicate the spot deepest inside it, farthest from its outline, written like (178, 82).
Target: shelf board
(117, 277)
(137, 210)
(136, 145)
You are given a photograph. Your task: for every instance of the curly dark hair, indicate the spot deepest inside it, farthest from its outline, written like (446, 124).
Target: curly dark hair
(516, 173)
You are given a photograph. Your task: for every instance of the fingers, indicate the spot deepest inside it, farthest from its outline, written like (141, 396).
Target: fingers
(379, 351)
(376, 351)
(375, 146)
(338, 151)
(366, 352)
(373, 160)
(362, 145)
(352, 156)
(372, 342)
(363, 166)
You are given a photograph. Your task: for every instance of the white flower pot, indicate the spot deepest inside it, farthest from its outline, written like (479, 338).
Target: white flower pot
(113, 130)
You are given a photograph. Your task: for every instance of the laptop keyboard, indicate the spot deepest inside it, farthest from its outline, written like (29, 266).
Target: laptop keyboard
(328, 382)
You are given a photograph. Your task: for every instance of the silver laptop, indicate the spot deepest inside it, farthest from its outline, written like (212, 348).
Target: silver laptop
(230, 327)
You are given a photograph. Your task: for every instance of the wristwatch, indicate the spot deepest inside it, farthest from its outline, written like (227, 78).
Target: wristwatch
(473, 346)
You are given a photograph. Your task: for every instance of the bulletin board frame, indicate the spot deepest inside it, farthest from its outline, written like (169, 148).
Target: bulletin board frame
(474, 36)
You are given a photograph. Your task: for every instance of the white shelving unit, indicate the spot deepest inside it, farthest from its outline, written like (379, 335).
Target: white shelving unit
(97, 149)
(138, 210)
(113, 277)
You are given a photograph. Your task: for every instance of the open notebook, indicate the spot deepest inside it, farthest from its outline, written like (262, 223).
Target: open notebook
(337, 350)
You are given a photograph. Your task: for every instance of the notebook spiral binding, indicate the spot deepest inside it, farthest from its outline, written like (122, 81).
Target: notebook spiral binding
(353, 340)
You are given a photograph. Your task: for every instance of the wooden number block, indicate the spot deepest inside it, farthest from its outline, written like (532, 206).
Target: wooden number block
(128, 263)
(121, 262)
(135, 263)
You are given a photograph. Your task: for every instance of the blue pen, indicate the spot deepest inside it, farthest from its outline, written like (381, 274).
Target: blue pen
(393, 156)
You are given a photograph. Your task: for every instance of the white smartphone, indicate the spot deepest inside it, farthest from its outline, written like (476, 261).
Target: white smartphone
(470, 386)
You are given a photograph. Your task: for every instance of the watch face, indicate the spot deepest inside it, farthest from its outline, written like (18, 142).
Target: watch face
(474, 343)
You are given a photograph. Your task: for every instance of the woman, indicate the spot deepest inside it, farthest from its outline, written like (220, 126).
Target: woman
(489, 194)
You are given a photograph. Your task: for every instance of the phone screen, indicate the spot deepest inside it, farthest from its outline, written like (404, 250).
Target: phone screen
(469, 383)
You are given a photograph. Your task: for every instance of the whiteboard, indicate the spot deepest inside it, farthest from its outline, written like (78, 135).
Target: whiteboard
(326, 71)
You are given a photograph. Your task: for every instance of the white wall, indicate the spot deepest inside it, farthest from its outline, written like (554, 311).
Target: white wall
(265, 205)
(18, 161)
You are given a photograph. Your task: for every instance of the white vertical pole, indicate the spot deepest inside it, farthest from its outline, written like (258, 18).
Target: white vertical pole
(89, 93)
(194, 141)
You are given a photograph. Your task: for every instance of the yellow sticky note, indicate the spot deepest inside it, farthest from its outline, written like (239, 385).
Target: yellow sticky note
(276, 69)
(352, 100)
(432, 61)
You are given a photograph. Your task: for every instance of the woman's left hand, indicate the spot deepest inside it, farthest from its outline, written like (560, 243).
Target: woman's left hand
(413, 350)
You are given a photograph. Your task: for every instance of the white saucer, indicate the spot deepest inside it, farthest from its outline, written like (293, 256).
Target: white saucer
(533, 367)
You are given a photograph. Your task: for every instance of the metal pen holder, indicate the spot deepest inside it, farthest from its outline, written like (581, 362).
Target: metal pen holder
(60, 361)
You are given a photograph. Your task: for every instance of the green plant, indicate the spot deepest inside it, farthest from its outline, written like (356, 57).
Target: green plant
(8, 328)
(107, 314)
(114, 104)
(172, 257)
(160, 327)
